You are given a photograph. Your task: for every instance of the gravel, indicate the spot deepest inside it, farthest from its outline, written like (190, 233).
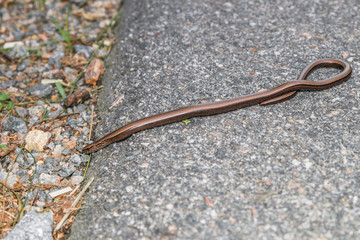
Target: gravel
(33, 52)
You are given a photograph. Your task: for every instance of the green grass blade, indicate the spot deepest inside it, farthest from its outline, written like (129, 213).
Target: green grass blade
(60, 89)
(59, 27)
(31, 183)
(10, 105)
(3, 146)
(67, 29)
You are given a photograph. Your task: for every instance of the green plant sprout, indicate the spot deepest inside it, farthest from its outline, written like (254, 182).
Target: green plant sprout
(186, 121)
(65, 34)
(5, 102)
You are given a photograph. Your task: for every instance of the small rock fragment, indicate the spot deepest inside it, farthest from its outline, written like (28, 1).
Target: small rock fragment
(8, 84)
(74, 124)
(67, 171)
(31, 72)
(48, 179)
(82, 49)
(25, 162)
(11, 178)
(32, 121)
(37, 140)
(42, 91)
(18, 51)
(21, 112)
(76, 180)
(36, 111)
(24, 64)
(18, 34)
(55, 59)
(75, 159)
(66, 152)
(23, 174)
(15, 124)
(45, 168)
(33, 226)
(12, 44)
(57, 150)
(56, 109)
(70, 74)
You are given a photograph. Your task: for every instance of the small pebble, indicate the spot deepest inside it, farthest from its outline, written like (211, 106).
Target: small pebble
(82, 49)
(76, 180)
(18, 51)
(41, 91)
(18, 34)
(46, 168)
(37, 140)
(33, 121)
(21, 112)
(33, 225)
(8, 84)
(75, 159)
(12, 44)
(24, 176)
(94, 71)
(12, 90)
(48, 179)
(51, 145)
(67, 171)
(66, 152)
(80, 107)
(57, 150)
(25, 162)
(36, 111)
(24, 64)
(15, 124)
(101, 53)
(70, 75)
(11, 178)
(129, 189)
(74, 124)
(31, 72)
(54, 162)
(56, 110)
(55, 59)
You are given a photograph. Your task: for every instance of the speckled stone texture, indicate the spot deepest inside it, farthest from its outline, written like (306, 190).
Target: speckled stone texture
(285, 171)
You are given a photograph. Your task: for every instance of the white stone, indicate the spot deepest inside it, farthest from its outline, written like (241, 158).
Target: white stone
(48, 179)
(37, 139)
(75, 180)
(12, 44)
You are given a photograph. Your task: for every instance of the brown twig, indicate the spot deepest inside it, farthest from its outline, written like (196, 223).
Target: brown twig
(5, 56)
(57, 117)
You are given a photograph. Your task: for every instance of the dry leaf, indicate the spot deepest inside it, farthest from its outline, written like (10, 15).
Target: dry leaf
(207, 200)
(94, 71)
(91, 16)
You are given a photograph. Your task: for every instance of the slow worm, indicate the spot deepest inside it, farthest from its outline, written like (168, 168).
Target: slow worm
(274, 95)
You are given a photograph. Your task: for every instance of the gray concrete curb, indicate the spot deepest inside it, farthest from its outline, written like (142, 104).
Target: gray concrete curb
(287, 171)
